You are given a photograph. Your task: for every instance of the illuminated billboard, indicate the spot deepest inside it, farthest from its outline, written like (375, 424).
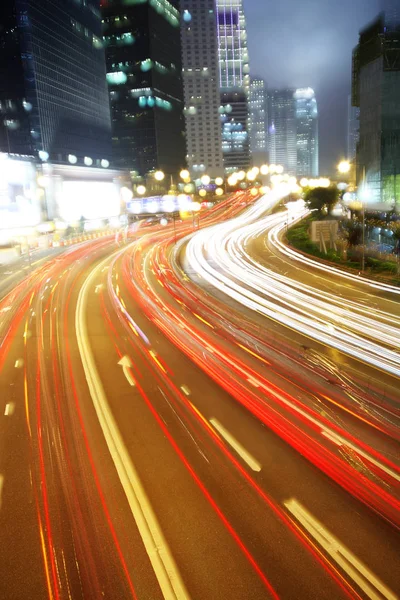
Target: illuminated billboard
(88, 199)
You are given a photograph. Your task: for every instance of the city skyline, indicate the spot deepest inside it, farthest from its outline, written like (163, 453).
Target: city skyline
(295, 45)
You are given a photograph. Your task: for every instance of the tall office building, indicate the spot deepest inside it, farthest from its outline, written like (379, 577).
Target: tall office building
(391, 9)
(376, 91)
(282, 129)
(201, 87)
(353, 129)
(53, 96)
(235, 83)
(258, 121)
(306, 133)
(144, 75)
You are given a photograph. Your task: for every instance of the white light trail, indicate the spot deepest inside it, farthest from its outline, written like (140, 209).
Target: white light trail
(219, 255)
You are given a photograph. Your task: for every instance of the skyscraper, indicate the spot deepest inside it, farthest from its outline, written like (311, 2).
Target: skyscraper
(307, 133)
(376, 91)
(144, 75)
(282, 129)
(353, 129)
(234, 81)
(258, 121)
(53, 95)
(391, 9)
(201, 87)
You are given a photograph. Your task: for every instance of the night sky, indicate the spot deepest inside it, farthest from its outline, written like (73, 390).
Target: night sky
(301, 43)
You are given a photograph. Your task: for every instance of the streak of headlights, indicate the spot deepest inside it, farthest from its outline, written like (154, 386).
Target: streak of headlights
(219, 255)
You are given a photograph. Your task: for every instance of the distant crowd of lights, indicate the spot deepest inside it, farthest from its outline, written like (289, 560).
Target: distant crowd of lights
(165, 204)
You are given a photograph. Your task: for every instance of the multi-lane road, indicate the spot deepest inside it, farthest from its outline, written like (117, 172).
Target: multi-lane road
(161, 438)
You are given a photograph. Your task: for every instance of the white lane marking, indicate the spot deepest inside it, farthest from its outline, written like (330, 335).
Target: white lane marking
(160, 556)
(126, 364)
(9, 410)
(363, 577)
(237, 446)
(185, 390)
(19, 363)
(98, 288)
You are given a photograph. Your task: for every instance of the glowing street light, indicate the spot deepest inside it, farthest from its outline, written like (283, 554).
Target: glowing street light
(344, 167)
(206, 179)
(126, 194)
(251, 176)
(219, 191)
(219, 181)
(232, 180)
(184, 174)
(141, 190)
(196, 206)
(43, 181)
(202, 193)
(159, 175)
(264, 170)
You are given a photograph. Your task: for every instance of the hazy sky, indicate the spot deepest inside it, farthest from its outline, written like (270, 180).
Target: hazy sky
(301, 43)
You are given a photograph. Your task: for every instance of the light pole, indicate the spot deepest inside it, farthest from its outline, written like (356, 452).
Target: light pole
(364, 195)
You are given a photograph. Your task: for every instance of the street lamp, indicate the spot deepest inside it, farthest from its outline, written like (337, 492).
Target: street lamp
(205, 180)
(195, 208)
(344, 167)
(219, 181)
(141, 190)
(184, 174)
(364, 195)
(159, 175)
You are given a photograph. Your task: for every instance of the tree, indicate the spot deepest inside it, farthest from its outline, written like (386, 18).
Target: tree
(321, 199)
(395, 227)
(352, 232)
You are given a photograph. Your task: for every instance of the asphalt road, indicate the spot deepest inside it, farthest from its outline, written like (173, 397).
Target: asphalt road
(149, 449)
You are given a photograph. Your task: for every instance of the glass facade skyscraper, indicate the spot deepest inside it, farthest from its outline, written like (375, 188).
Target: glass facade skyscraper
(376, 92)
(282, 129)
(391, 9)
(307, 133)
(144, 75)
(353, 129)
(201, 87)
(235, 83)
(53, 95)
(258, 123)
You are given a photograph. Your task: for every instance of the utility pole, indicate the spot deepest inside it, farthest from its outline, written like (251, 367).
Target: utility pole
(363, 222)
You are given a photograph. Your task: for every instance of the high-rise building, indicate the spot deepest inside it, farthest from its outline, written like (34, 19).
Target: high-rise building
(307, 133)
(391, 9)
(376, 92)
(353, 129)
(258, 121)
(235, 83)
(144, 75)
(201, 87)
(282, 129)
(53, 95)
